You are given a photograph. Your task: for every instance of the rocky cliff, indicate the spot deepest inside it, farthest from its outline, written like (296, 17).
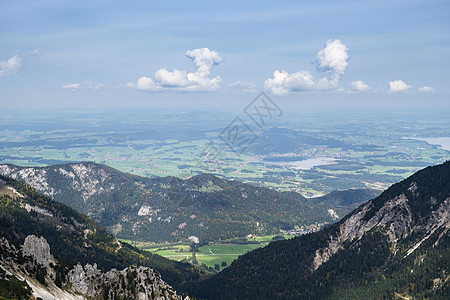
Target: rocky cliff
(52, 251)
(35, 265)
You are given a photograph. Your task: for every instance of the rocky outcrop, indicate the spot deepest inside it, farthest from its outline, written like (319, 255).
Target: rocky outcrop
(83, 282)
(130, 283)
(36, 177)
(38, 249)
(84, 178)
(440, 219)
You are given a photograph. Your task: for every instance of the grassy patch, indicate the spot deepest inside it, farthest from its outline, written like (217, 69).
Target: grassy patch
(210, 255)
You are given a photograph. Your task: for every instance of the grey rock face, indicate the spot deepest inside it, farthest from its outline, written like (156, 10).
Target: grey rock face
(39, 249)
(130, 283)
(395, 217)
(87, 282)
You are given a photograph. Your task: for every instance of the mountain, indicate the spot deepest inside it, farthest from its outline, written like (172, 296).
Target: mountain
(172, 209)
(63, 254)
(396, 246)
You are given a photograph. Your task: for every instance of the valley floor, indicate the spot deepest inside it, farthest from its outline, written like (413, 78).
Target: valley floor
(216, 255)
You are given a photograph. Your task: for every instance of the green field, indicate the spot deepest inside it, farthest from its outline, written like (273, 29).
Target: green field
(210, 255)
(175, 159)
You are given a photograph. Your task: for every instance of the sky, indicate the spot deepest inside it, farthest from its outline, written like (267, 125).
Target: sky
(305, 55)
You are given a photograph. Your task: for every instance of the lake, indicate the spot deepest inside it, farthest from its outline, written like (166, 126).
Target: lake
(305, 164)
(444, 142)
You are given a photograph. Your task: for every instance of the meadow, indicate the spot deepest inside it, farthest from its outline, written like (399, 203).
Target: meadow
(211, 255)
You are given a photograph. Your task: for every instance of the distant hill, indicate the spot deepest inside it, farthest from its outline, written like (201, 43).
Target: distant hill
(396, 246)
(62, 253)
(172, 209)
(283, 140)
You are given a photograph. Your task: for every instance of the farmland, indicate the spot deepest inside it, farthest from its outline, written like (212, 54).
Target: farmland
(373, 154)
(210, 255)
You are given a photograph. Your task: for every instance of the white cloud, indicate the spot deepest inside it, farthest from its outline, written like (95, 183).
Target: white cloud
(359, 86)
(247, 87)
(283, 82)
(13, 64)
(73, 86)
(332, 59)
(398, 86)
(146, 84)
(87, 85)
(203, 57)
(176, 78)
(182, 81)
(10, 66)
(427, 89)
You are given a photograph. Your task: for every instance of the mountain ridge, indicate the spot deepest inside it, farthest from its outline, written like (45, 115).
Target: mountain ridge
(172, 209)
(396, 245)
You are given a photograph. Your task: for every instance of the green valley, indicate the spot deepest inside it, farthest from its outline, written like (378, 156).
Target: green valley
(213, 255)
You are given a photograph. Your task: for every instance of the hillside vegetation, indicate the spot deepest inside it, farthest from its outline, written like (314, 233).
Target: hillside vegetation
(394, 246)
(75, 238)
(171, 209)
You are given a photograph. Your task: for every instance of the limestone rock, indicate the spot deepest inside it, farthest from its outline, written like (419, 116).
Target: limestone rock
(39, 249)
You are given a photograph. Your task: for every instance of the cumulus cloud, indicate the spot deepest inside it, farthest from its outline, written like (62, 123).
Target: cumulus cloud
(398, 86)
(10, 66)
(426, 89)
(178, 80)
(283, 82)
(72, 86)
(247, 87)
(145, 84)
(359, 86)
(332, 60)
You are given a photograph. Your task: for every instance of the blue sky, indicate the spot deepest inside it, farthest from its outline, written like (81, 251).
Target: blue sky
(219, 54)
